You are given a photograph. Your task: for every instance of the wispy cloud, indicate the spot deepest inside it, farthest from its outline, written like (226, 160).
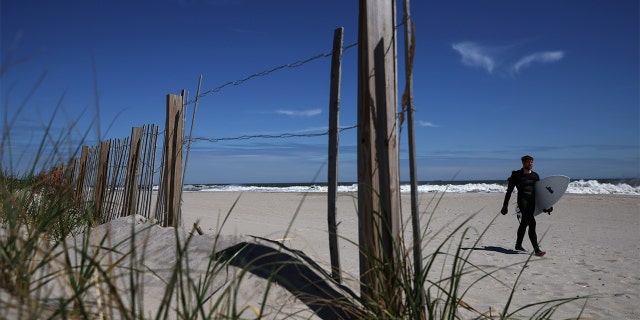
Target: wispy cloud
(474, 55)
(489, 57)
(427, 124)
(300, 113)
(539, 57)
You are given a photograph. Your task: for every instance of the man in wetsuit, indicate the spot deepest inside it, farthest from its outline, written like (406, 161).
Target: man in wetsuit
(525, 180)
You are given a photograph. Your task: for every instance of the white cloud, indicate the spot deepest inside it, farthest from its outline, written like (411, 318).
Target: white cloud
(474, 55)
(427, 124)
(487, 57)
(541, 57)
(300, 113)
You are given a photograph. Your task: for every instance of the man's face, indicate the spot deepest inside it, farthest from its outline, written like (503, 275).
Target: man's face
(527, 164)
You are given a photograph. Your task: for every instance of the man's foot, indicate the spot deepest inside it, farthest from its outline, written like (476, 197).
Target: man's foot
(520, 248)
(540, 253)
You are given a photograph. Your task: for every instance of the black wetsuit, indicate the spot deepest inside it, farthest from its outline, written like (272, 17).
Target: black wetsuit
(526, 184)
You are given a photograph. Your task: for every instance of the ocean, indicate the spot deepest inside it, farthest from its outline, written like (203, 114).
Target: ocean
(587, 186)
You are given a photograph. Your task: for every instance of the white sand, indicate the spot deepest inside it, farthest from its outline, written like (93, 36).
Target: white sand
(592, 243)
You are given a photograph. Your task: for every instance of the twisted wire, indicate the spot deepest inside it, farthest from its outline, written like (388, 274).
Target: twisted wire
(269, 136)
(267, 72)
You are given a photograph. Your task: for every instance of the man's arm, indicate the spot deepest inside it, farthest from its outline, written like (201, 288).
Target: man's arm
(510, 188)
(507, 196)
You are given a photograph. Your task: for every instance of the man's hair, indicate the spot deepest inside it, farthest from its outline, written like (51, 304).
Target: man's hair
(527, 157)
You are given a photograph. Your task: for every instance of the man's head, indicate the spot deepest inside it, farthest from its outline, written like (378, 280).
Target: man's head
(527, 162)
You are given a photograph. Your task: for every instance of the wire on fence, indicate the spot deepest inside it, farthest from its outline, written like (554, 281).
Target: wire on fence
(266, 72)
(269, 136)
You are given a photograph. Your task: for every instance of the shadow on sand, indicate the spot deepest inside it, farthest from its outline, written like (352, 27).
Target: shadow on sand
(496, 249)
(296, 272)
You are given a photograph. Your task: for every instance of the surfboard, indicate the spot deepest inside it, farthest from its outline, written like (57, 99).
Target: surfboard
(548, 191)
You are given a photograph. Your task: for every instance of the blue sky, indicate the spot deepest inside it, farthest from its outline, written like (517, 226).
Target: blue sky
(493, 80)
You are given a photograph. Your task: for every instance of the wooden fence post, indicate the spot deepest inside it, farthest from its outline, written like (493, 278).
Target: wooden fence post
(82, 173)
(70, 174)
(133, 165)
(378, 180)
(101, 180)
(173, 145)
(407, 105)
(148, 165)
(334, 124)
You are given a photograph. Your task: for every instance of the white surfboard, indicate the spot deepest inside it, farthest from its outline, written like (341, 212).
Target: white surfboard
(548, 191)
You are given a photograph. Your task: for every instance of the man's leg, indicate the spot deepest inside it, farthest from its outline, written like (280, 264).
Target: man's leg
(534, 237)
(532, 234)
(522, 228)
(526, 209)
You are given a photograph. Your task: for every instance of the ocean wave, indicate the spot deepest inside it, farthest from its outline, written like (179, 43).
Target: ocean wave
(596, 187)
(575, 187)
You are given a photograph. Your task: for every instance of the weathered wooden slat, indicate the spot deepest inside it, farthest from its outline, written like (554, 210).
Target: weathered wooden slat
(133, 164)
(173, 145)
(101, 180)
(334, 124)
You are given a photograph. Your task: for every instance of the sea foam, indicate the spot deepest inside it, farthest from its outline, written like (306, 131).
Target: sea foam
(575, 187)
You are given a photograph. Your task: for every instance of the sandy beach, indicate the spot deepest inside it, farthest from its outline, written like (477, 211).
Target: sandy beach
(592, 243)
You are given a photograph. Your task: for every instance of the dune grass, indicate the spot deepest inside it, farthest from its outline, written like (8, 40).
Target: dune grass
(56, 265)
(56, 262)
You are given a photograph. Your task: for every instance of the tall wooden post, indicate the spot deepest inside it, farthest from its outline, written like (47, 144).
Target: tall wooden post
(407, 104)
(378, 181)
(334, 124)
(173, 144)
(133, 165)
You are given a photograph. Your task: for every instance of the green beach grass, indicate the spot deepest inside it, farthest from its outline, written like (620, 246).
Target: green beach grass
(57, 262)
(47, 242)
